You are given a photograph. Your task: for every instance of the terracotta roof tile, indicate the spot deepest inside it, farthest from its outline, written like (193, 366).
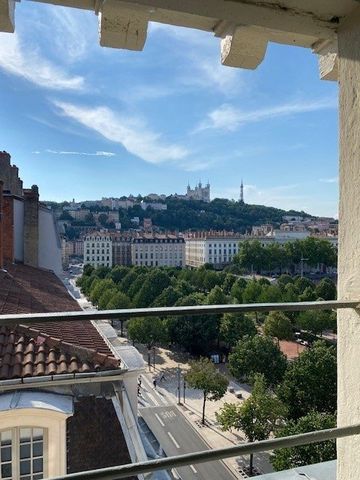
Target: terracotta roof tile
(21, 356)
(46, 348)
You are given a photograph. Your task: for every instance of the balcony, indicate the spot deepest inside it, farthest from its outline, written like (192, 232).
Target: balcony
(318, 472)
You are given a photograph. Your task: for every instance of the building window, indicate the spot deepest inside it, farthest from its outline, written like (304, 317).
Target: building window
(22, 454)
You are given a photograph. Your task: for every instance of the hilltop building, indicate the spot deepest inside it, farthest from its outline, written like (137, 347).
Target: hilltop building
(199, 192)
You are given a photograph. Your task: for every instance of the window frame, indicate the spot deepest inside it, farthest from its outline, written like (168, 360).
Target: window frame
(15, 451)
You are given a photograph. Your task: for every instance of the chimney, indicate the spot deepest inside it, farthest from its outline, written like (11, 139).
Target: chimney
(31, 226)
(1, 225)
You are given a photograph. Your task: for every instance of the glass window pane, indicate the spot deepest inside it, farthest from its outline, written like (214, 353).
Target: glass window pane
(37, 449)
(38, 476)
(25, 477)
(6, 470)
(38, 465)
(25, 450)
(6, 454)
(25, 435)
(24, 467)
(38, 433)
(6, 438)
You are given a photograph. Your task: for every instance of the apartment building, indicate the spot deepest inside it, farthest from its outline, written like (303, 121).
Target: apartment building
(98, 249)
(121, 249)
(31, 235)
(216, 248)
(158, 250)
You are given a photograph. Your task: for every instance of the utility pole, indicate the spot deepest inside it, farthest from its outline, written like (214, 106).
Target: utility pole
(184, 389)
(154, 356)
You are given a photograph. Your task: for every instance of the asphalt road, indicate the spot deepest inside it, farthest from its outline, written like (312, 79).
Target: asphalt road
(176, 436)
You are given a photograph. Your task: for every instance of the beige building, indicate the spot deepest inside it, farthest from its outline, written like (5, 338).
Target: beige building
(215, 248)
(158, 250)
(98, 249)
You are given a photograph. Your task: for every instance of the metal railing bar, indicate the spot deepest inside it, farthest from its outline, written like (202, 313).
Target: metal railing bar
(124, 471)
(25, 319)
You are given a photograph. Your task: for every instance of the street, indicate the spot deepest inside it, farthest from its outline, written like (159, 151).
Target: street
(176, 436)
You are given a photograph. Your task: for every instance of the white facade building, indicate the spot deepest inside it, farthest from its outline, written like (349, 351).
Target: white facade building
(158, 251)
(199, 192)
(98, 249)
(216, 249)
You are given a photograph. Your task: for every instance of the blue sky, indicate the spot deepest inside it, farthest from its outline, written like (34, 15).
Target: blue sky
(86, 122)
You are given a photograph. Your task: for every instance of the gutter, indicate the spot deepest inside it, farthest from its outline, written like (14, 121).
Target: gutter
(61, 379)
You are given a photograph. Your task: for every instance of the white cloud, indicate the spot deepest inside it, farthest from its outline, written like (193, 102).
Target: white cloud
(329, 180)
(70, 30)
(132, 133)
(146, 92)
(229, 118)
(206, 70)
(64, 152)
(26, 61)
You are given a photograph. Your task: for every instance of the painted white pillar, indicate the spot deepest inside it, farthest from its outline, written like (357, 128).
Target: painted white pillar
(349, 245)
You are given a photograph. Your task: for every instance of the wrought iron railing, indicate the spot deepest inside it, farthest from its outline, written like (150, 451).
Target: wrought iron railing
(124, 471)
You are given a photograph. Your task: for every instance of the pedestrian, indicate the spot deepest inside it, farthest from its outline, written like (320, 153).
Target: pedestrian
(139, 382)
(138, 391)
(162, 377)
(154, 383)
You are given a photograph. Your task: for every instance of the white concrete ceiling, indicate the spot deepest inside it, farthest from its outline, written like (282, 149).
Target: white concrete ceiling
(244, 26)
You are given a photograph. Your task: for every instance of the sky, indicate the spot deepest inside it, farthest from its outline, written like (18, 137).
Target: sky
(87, 122)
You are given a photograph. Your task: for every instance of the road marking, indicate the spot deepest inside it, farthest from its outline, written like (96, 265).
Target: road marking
(160, 421)
(175, 474)
(193, 468)
(173, 440)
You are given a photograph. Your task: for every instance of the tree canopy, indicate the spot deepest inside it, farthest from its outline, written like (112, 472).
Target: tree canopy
(310, 382)
(257, 355)
(286, 458)
(204, 376)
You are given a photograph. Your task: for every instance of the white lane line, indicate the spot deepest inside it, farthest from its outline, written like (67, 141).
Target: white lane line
(160, 421)
(193, 468)
(175, 474)
(173, 440)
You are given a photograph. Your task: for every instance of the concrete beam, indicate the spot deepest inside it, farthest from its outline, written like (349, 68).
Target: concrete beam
(7, 16)
(328, 60)
(266, 15)
(244, 48)
(122, 25)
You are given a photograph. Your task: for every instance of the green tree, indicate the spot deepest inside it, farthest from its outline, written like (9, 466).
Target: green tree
(310, 382)
(270, 294)
(155, 282)
(167, 297)
(106, 297)
(278, 325)
(228, 283)
(315, 321)
(286, 458)
(147, 330)
(99, 289)
(234, 327)
(256, 417)
(238, 288)
(308, 295)
(252, 292)
(251, 256)
(326, 289)
(204, 376)
(88, 270)
(119, 301)
(216, 297)
(196, 333)
(257, 355)
(118, 273)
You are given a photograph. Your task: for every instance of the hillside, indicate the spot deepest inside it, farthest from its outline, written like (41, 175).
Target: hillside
(219, 214)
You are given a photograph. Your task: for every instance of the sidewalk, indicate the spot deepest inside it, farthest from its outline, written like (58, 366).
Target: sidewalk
(169, 363)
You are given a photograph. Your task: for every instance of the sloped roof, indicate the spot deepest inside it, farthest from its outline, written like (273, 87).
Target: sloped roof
(46, 348)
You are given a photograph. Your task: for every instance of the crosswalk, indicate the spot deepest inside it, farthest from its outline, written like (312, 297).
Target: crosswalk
(149, 396)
